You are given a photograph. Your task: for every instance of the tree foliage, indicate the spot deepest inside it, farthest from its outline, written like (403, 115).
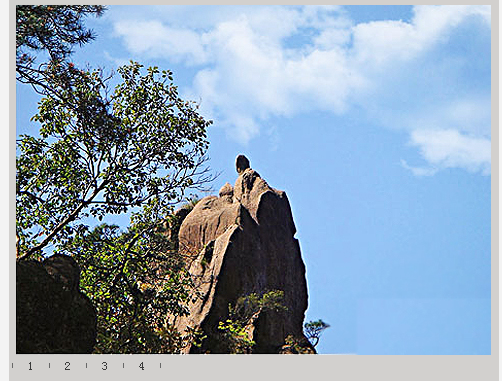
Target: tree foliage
(135, 279)
(101, 153)
(106, 146)
(242, 315)
(313, 331)
(50, 29)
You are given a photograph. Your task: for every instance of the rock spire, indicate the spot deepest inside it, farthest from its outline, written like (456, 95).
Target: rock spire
(243, 242)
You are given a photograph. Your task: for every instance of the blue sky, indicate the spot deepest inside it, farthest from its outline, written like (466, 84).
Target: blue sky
(376, 122)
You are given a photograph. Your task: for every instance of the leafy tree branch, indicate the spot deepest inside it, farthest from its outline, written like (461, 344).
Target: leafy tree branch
(99, 155)
(313, 331)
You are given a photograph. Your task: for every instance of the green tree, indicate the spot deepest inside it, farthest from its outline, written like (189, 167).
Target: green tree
(52, 30)
(101, 153)
(235, 331)
(135, 279)
(104, 150)
(313, 331)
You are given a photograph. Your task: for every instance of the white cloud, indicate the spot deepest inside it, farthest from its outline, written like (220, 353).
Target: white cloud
(258, 62)
(452, 134)
(419, 171)
(379, 42)
(154, 39)
(469, 115)
(451, 149)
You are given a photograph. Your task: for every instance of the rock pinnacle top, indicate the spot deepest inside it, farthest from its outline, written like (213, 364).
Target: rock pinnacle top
(241, 163)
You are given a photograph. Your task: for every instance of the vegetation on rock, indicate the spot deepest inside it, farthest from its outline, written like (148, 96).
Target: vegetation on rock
(242, 316)
(313, 331)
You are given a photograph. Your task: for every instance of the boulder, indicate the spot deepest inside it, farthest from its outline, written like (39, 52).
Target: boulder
(52, 314)
(239, 243)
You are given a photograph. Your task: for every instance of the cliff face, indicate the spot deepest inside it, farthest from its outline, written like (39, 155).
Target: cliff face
(242, 242)
(52, 315)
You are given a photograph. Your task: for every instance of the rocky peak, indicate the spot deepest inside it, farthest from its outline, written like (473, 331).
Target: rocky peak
(242, 242)
(241, 163)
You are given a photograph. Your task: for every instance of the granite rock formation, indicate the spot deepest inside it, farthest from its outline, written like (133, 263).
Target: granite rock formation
(242, 242)
(52, 315)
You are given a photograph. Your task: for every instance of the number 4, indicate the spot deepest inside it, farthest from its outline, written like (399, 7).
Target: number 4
(142, 366)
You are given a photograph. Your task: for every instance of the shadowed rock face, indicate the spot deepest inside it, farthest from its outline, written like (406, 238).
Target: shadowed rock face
(52, 315)
(243, 242)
